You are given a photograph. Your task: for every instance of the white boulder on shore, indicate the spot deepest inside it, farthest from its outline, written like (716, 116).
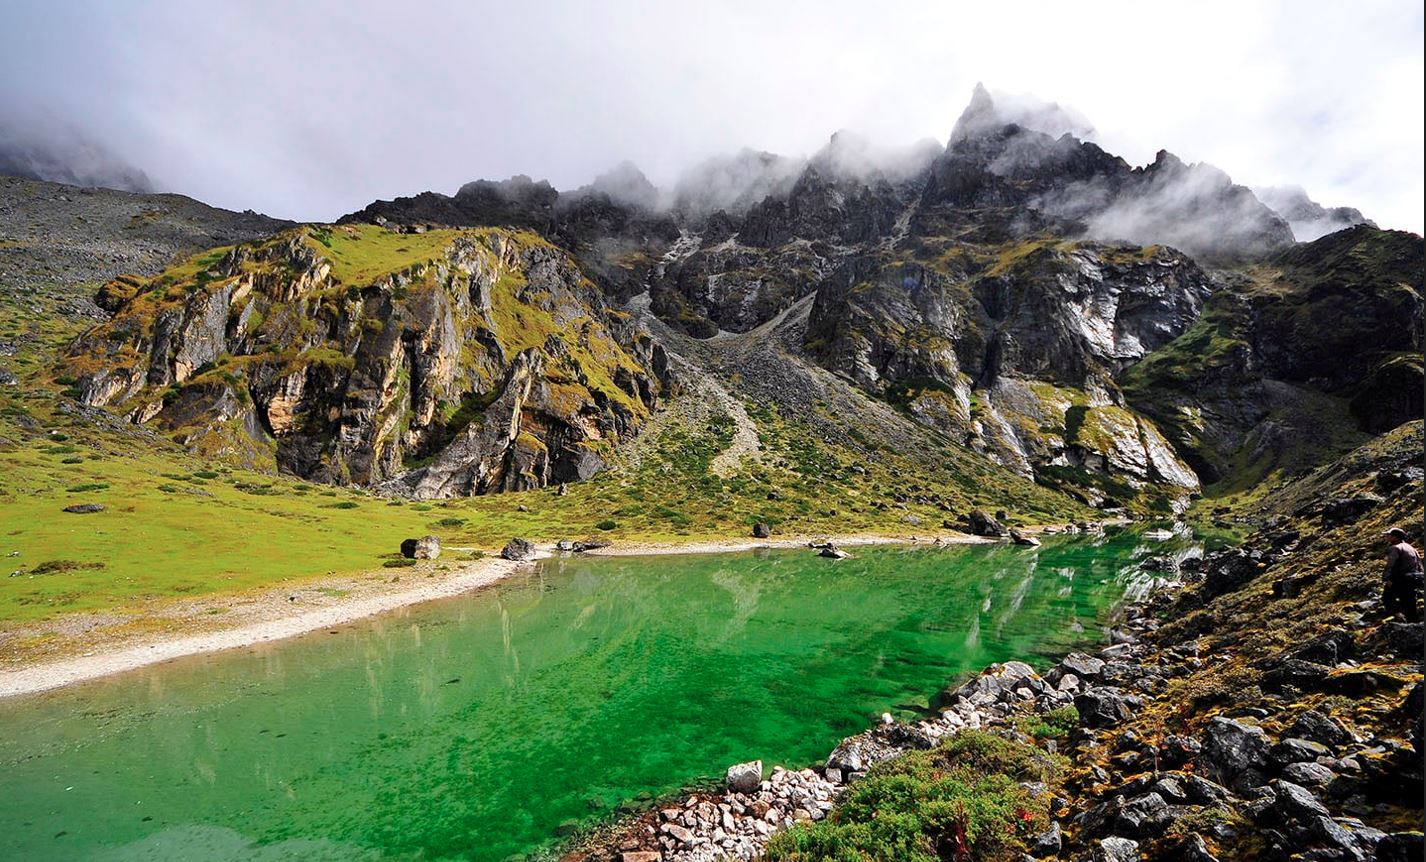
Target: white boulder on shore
(745, 777)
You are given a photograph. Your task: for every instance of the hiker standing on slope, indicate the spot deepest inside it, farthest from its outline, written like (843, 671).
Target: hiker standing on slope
(1403, 576)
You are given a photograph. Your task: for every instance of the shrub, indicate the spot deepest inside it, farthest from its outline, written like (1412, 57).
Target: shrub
(961, 800)
(398, 564)
(607, 524)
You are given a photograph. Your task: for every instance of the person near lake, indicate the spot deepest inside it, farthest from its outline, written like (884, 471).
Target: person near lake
(1402, 578)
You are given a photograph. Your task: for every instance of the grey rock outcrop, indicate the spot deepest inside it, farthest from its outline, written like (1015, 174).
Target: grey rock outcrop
(492, 365)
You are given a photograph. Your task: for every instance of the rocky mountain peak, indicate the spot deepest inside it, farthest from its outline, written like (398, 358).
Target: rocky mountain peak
(1308, 219)
(978, 117)
(624, 185)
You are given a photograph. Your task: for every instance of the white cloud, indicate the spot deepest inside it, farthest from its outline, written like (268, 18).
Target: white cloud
(312, 109)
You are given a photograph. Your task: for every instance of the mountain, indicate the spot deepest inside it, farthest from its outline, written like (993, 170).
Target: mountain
(1308, 219)
(1122, 336)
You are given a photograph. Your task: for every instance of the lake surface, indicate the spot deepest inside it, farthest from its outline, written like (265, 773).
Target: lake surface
(474, 728)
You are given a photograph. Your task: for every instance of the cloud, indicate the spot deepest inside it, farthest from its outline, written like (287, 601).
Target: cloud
(313, 109)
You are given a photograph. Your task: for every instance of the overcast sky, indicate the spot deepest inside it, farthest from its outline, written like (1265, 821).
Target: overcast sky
(311, 109)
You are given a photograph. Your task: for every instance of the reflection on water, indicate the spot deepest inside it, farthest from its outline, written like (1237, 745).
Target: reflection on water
(472, 728)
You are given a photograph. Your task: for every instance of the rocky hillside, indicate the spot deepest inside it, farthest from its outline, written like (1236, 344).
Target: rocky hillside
(1122, 335)
(1022, 292)
(430, 364)
(1259, 706)
(72, 235)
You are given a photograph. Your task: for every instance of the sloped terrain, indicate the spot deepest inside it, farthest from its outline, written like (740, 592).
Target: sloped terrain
(436, 364)
(1262, 707)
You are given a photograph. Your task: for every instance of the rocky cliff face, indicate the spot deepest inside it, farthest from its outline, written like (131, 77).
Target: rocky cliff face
(1019, 290)
(430, 364)
(1014, 350)
(1295, 359)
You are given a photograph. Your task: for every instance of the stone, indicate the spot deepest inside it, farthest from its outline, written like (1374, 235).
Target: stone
(1102, 707)
(1308, 774)
(761, 530)
(1403, 640)
(745, 777)
(1328, 649)
(1116, 849)
(1290, 751)
(639, 856)
(1143, 815)
(1047, 843)
(1232, 748)
(1317, 727)
(1296, 672)
(424, 548)
(1296, 803)
(982, 524)
(1084, 666)
(833, 553)
(518, 549)
(1195, 850)
(84, 508)
(1401, 847)
(1159, 564)
(1020, 538)
(679, 833)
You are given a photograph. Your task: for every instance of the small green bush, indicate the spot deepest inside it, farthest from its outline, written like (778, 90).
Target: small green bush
(344, 504)
(960, 800)
(91, 486)
(607, 524)
(398, 564)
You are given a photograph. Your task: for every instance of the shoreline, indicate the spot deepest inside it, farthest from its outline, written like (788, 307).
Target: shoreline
(276, 620)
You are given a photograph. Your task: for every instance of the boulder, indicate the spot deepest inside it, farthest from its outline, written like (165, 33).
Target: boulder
(1295, 672)
(424, 548)
(1020, 538)
(831, 552)
(1403, 640)
(518, 549)
(1102, 707)
(84, 508)
(1400, 847)
(1291, 751)
(1328, 649)
(761, 530)
(1231, 749)
(982, 524)
(1085, 667)
(1345, 510)
(745, 777)
(1143, 816)
(1308, 774)
(1116, 849)
(1047, 843)
(1296, 804)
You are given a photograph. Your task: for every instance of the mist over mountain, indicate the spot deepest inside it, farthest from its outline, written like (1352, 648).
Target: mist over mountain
(38, 145)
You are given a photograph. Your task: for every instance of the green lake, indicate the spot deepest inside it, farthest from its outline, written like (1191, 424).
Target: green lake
(476, 728)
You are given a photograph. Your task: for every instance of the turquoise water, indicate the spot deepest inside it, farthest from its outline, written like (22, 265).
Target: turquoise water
(473, 728)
